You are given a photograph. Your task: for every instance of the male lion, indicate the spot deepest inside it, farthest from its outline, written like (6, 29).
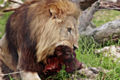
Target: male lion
(41, 36)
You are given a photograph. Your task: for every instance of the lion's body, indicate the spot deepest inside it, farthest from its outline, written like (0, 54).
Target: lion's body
(35, 29)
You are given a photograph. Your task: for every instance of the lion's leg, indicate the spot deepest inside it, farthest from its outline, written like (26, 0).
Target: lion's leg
(6, 59)
(26, 74)
(5, 55)
(3, 45)
(1, 42)
(30, 76)
(25, 65)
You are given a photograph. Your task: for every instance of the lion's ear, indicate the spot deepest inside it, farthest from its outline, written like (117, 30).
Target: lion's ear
(54, 11)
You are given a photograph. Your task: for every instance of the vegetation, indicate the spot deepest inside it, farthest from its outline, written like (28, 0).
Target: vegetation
(85, 53)
(3, 20)
(103, 16)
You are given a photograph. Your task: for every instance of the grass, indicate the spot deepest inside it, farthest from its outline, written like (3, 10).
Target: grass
(86, 55)
(87, 45)
(103, 16)
(3, 20)
(1, 1)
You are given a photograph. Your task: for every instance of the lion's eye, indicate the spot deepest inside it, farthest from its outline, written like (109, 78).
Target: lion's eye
(69, 29)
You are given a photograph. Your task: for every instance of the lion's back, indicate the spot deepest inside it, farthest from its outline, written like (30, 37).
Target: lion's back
(18, 31)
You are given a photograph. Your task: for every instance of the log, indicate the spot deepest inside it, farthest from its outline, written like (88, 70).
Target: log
(110, 5)
(108, 31)
(87, 16)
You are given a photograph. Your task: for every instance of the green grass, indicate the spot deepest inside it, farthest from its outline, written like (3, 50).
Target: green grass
(104, 16)
(1, 1)
(87, 45)
(86, 55)
(11, 78)
(3, 20)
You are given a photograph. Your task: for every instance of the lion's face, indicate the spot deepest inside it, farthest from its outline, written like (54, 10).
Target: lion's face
(53, 25)
(66, 43)
(68, 32)
(59, 28)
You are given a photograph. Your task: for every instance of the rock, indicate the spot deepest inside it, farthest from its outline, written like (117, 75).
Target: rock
(110, 51)
(90, 73)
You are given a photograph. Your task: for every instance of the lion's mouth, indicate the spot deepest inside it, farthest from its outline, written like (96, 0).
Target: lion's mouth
(63, 55)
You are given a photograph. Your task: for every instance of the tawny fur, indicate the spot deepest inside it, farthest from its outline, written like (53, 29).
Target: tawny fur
(36, 28)
(5, 56)
(48, 33)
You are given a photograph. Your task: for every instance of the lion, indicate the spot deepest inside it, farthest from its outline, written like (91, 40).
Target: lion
(41, 33)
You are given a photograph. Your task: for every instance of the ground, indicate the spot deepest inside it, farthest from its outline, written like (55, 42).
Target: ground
(85, 53)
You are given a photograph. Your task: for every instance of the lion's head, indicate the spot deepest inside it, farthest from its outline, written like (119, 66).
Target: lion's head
(53, 24)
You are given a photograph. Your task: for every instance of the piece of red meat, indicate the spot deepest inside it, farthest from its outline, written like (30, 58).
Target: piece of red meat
(63, 55)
